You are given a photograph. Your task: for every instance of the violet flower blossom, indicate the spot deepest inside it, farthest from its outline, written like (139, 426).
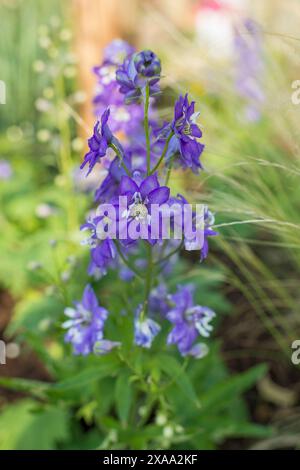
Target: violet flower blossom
(86, 323)
(141, 69)
(183, 144)
(190, 321)
(101, 139)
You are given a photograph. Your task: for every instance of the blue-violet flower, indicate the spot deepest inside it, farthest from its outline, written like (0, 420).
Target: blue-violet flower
(141, 69)
(86, 323)
(189, 322)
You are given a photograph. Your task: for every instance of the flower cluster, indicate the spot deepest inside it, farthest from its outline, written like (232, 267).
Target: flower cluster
(183, 133)
(139, 71)
(124, 119)
(138, 227)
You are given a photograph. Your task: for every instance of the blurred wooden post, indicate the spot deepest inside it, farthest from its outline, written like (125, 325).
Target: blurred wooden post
(96, 22)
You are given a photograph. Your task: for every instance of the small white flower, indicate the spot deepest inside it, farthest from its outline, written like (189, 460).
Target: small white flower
(168, 432)
(161, 419)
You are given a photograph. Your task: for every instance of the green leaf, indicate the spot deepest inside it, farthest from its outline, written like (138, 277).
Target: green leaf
(70, 387)
(123, 396)
(34, 308)
(240, 429)
(174, 370)
(33, 387)
(221, 393)
(86, 377)
(21, 429)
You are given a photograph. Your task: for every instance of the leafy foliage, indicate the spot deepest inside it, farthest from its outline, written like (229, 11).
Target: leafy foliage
(26, 426)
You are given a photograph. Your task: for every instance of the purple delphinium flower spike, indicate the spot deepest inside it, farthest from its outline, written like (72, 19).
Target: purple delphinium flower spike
(136, 72)
(85, 324)
(99, 142)
(145, 329)
(190, 321)
(140, 207)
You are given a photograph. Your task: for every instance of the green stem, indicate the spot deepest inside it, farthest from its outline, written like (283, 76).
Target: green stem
(126, 262)
(169, 170)
(169, 255)
(149, 409)
(115, 149)
(146, 126)
(172, 381)
(148, 282)
(163, 153)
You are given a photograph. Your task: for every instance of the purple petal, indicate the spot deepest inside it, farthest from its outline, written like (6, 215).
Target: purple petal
(186, 340)
(186, 101)
(159, 195)
(105, 116)
(89, 299)
(175, 315)
(178, 108)
(93, 143)
(190, 110)
(195, 131)
(102, 147)
(96, 132)
(150, 183)
(128, 185)
(87, 158)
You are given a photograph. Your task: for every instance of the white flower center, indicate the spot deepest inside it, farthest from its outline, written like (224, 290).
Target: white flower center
(138, 211)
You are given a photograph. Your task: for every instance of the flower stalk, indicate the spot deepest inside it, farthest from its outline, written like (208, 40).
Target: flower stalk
(165, 149)
(133, 188)
(146, 125)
